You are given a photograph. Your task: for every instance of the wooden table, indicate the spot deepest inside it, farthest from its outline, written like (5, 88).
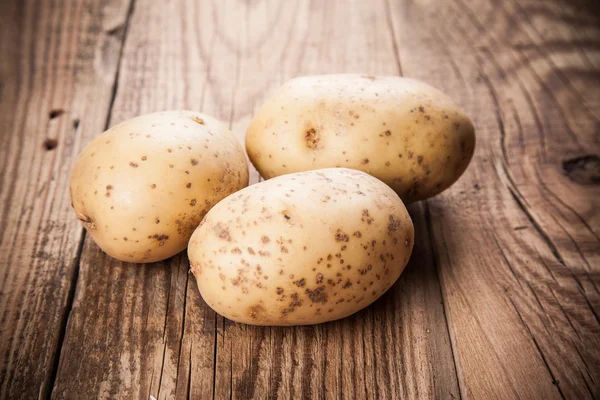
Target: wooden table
(501, 296)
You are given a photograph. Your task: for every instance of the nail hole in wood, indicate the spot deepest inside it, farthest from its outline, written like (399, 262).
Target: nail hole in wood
(50, 144)
(55, 113)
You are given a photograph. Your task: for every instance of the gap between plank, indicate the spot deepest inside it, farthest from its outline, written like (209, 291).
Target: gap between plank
(436, 264)
(77, 261)
(66, 315)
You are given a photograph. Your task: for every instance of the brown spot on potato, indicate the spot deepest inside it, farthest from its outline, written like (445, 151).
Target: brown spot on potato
(255, 311)
(312, 138)
(193, 202)
(341, 236)
(222, 232)
(236, 250)
(144, 158)
(366, 217)
(197, 120)
(132, 164)
(265, 239)
(153, 186)
(364, 161)
(194, 161)
(357, 234)
(419, 159)
(318, 295)
(251, 251)
(300, 282)
(296, 302)
(393, 224)
(319, 278)
(188, 185)
(284, 249)
(159, 238)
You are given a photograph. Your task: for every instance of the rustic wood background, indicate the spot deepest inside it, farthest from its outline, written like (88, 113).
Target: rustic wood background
(501, 297)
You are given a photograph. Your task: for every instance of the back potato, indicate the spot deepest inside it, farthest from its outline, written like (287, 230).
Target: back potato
(302, 248)
(142, 187)
(404, 132)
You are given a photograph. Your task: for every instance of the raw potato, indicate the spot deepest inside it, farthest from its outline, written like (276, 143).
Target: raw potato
(143, 186)
(404, 132)
(302, 248)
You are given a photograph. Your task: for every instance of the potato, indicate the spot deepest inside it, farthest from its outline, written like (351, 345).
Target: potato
(302, 248)
(404, 132)
(143, 186)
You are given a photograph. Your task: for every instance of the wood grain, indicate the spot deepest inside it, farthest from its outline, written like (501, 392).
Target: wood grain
(520, 278)
(501, 297)
(164, 340)
(57, 71)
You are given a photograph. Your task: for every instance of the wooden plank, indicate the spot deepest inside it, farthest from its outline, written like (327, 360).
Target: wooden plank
(57, 71)
(159, 337)
(516, 240)
(371, 355)
(148, 317)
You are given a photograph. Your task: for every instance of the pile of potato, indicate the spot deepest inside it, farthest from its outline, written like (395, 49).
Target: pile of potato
(322, 239)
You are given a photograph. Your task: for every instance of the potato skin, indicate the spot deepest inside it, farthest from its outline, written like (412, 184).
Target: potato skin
(142, 187)
(303, 248)
(404, 132)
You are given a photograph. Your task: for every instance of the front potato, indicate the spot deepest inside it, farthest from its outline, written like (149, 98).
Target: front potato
(404, 132)
(302, 248)
(142, 187)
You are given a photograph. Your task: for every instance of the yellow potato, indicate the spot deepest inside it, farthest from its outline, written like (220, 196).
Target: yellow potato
(143, 186)
(404, 132)
(302, 248)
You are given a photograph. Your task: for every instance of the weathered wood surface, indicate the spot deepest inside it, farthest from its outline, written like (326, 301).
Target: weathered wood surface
(500, 298)
(57, 68)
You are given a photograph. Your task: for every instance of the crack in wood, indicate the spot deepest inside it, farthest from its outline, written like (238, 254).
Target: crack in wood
(77, 262)
(537, 346)
(67, 313)
(508, 264)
